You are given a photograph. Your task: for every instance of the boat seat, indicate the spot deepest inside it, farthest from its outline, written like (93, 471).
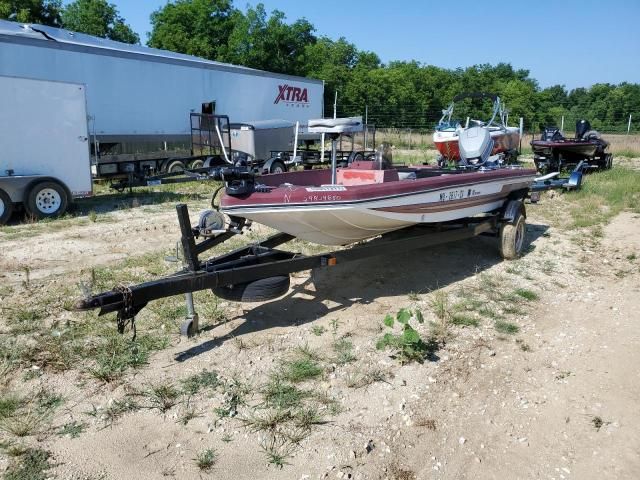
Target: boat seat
(336, 125)
(365, 176)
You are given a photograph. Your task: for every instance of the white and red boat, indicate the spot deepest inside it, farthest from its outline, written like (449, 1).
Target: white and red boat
(505, 139)
(366, 201)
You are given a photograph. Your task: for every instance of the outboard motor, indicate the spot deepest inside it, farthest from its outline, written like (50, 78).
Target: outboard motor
(475, 145)
(238, 180)
(582, 127)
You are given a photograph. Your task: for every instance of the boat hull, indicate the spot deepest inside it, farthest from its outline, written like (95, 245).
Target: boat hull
(446, 142)
(340, 215)
(567, 149)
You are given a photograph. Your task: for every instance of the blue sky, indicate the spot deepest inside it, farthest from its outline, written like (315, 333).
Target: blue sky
(570, 42)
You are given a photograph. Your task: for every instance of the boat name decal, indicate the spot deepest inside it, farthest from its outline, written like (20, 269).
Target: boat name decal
(458, 194)
(322, 198)
(327, 188)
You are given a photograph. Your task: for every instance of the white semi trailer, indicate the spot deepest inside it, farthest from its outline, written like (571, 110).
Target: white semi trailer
(44, 146)
(139, 98)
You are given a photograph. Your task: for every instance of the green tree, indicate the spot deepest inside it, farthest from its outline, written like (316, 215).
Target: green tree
(343, 68)
(269, 43)
(99, 18)
(194, 27)
(43, 12)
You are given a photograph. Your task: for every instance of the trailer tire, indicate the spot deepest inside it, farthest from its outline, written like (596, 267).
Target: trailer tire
(197, 164)
(277, 167)
(175, 166)
(608, 163)
(6, 207)
(255, 291)
(47, 199)
(512, 237)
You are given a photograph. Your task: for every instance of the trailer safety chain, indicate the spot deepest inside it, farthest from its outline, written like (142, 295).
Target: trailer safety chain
(126, 313)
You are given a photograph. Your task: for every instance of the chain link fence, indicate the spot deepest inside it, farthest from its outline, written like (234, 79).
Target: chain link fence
(411, 127)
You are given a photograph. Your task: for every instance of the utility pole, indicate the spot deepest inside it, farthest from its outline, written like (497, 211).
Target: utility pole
(629, 125)
(366, 124)
(335, 105)
(562, 125)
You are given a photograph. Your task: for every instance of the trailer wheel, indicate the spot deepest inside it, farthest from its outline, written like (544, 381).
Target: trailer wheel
(175, 166)
(512, 237)
(277, 167)
(6, 207)
(256, 291)
(608, 163)
(47, 199)
(197, 164)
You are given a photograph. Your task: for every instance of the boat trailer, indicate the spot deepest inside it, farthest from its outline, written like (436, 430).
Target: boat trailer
(553, 181)
(261, 271)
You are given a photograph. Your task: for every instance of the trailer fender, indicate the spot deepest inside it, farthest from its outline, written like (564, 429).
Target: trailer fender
(271, 164)
(513, 210)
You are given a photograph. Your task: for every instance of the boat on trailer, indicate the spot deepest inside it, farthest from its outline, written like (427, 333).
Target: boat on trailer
(553, 151)
(506, 140)
(404, 207)
(366, 202)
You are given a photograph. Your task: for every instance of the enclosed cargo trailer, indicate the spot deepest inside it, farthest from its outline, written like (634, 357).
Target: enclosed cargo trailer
(44, 146)
(139, 98)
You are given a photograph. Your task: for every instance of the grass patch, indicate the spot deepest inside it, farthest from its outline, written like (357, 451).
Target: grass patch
(9, 405)
(280, 394)
(526, 294)
(31, 464)
(604, 195)
(118, 353)
(200, 381)
(114, 410)
(72, 429)
(24, 321)
(343, 349)
(234, 392)
(506, 327)
(300, 370)
(464, 320)
(163, 396)
(318, 330)
(277, 449)
(28, 415)
(206, 459)
(361, 380)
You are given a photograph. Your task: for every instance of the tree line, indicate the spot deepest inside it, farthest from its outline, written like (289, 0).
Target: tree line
(396, 94)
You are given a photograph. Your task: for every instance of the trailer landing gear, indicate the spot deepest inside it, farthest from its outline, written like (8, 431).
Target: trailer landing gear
(191, 324)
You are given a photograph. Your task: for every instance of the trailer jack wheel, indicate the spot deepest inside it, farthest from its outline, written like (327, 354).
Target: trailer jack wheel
(189, 327)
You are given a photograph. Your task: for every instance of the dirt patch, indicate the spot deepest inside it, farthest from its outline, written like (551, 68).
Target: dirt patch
(552, 394)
